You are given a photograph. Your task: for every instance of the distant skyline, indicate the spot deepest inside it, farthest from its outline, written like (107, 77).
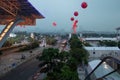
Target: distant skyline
(100, 15)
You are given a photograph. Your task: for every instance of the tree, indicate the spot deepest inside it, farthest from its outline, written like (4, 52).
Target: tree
(81, 55)
(53, 58)
(63, 56)
(75, 42)
(65, 74)
(51, 40)
(72, 63)
(86, 44)
(58, 65)
(77, 51)
(63, 65)
(48, 55)
(68, 74)
(48, 58)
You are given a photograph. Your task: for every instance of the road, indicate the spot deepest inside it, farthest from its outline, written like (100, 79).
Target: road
(25, 70)
(22, 72)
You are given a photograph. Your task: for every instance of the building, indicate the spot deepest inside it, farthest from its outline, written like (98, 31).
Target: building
(43, 43)
(32, 35)
(95, 41)
(70, 35)
(97, 52)
(12, 35)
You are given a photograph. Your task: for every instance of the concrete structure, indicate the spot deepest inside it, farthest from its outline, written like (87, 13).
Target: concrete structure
(98, 52)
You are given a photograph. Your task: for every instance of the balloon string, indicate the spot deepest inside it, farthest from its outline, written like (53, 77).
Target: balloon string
(74, 26)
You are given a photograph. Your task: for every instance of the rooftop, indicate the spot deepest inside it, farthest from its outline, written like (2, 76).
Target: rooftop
(104, 69)
(99, 39)
(102, 48)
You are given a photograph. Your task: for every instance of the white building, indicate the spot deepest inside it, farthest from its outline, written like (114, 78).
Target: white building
(43, 43)
(99, 39)
(32, 35)
(70, 35)
(97, 52)
(95, 41)
(12, 35)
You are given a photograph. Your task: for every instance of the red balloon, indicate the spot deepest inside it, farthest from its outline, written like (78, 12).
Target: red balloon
(76, 21)
(72, 18)
(75, 13)
(54, 24)
(84, 5)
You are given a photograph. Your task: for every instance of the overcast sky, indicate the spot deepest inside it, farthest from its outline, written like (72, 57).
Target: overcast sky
(100, 15)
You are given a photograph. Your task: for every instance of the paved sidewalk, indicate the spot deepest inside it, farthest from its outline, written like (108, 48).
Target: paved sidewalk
(81, 73)
(12, 60)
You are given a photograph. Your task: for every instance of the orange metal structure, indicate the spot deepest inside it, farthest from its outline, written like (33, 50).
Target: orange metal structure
(10, 9)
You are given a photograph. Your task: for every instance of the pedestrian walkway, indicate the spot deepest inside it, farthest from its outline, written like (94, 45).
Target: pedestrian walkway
(10, 61)
(81, 73)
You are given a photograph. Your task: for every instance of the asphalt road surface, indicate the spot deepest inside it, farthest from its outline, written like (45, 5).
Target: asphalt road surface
(22, 72)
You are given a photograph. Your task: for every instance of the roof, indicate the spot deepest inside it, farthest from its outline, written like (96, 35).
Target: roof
(94, 63)
(104, 69)
(99, 39)
(10, 9)
(102, 48)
